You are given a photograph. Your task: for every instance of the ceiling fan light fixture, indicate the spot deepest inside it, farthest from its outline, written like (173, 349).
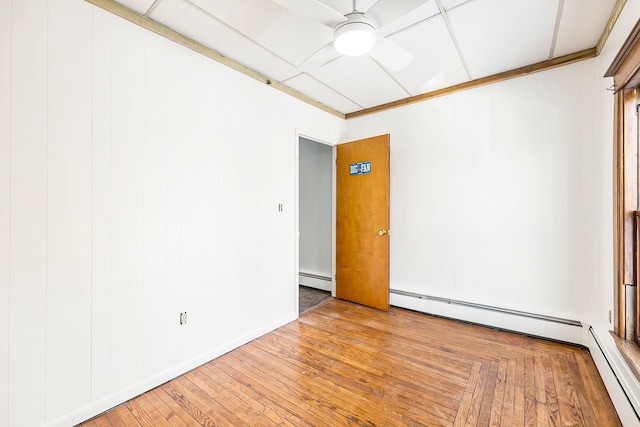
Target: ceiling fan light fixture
(356, 36)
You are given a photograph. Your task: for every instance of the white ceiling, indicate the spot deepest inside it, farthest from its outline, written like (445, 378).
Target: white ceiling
(452, 41)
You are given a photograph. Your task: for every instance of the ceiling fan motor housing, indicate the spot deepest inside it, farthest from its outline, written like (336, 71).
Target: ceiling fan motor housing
(356, 36)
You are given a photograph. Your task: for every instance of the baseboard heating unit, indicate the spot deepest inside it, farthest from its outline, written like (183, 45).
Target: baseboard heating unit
(315, 276)
(620, 388)
(490, 308)
(315, 280)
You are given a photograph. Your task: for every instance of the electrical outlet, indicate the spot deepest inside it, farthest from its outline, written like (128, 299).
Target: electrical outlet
(183, 318)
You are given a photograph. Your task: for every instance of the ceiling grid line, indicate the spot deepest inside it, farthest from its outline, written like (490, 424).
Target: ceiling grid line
(152, 8)
(447, 22)
(384, 70)
(335, 91)
(556, 28)
(237, 31)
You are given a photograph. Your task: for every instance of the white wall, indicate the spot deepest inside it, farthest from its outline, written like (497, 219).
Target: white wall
(316, 226)
(137, 180)
(490, 189)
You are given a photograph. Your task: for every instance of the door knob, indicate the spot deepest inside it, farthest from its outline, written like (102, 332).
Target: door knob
(383, 232)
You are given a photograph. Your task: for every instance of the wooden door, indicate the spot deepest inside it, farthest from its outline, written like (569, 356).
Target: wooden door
(362, 222)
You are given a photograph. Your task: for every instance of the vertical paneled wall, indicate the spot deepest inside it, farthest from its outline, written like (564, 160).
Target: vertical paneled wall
(68, 207)
(28, 214)
(5, 195)
(138, 180)
(101, 106)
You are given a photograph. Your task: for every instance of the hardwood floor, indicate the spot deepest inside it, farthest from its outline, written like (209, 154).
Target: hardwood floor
(344, 364)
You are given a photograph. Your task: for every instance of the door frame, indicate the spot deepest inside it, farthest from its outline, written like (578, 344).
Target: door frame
(298, 135)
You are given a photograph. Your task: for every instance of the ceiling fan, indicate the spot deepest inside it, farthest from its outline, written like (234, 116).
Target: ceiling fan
(356, 33)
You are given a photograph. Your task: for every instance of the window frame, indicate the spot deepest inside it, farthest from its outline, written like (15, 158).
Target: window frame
(625, 70)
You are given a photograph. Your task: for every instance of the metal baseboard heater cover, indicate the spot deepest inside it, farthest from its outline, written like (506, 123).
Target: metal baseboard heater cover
(553, 319)
(315, 276)
(613, 372)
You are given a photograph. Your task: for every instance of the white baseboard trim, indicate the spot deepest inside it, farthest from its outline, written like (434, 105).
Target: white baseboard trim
(316, 280)
(98, 407)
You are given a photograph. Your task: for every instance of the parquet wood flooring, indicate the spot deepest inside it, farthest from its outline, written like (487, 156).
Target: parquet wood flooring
(342, 364)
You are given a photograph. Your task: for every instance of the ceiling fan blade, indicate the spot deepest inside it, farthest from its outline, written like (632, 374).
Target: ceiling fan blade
(313, 10)
(386, 11)
(319, 58)
(390, 54)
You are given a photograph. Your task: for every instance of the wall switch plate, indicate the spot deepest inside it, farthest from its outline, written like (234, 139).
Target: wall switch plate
(183, 318)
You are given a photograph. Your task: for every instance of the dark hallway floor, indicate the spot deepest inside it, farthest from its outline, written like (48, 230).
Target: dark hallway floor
(310, 297)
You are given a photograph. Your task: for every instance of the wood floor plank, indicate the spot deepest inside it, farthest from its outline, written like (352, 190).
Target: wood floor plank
(146, 414)
(229, 401)
(444, 393)
(551, 395)
(517, 379)
(466, 402)
(586, 409)
(121, 417)
(396, 398)
(345, 364)
(502, 402)
(378, 356)
(401, 339)
(473, 419)
(173, 412)
(530, 407)
(504, 395)
(293, 400)
(487, 396)
(542, 409)
(594, 393)
(243, 392)
(202, 404)
(567, 397)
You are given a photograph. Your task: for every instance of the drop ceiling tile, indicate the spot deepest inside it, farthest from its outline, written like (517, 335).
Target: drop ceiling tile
(289, 36)
(450, 4)
(360, 79)
(500, 35)
(306, 84)
(346, 6)
(422, 13)
(140, 6)
(436, 63)
(581, 25)
(191, 22)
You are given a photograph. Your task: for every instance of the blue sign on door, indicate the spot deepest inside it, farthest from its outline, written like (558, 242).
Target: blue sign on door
(360, 168)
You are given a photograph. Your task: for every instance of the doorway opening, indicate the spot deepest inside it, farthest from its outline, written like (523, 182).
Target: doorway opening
(316, 222)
